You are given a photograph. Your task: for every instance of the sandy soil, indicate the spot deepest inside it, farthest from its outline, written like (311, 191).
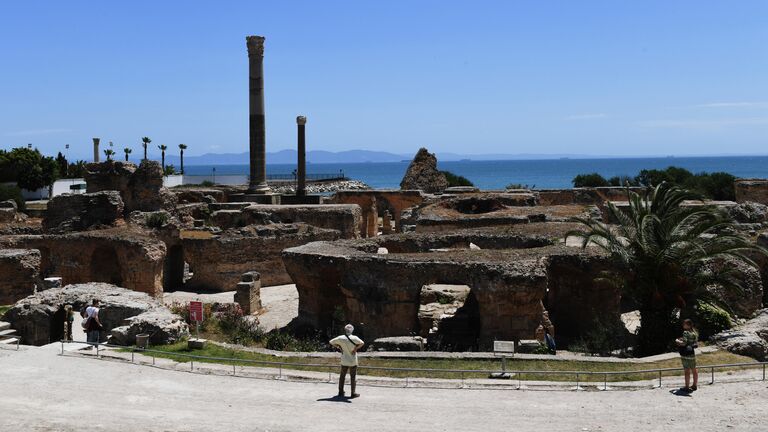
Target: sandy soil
(114, 396)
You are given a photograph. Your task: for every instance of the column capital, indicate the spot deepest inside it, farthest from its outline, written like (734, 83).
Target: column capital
(255, 45)
(301, 120)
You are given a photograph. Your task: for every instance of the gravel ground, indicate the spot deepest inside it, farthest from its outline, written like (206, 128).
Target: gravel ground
(114, 396)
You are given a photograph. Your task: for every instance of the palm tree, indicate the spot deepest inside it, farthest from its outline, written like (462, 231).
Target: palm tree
(163, 148)
(664, 252)
(182, 147)
(127, 151)
(145, 142)
(109, 153)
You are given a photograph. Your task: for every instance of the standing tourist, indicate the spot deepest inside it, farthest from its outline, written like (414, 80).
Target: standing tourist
(349, 345)
(687, 344)
(69, 318)
(92, 323)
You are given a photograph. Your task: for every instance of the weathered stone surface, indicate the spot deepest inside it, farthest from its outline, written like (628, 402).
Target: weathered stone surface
(140, 187)
(754, 190)
(8, 210)
(248, 294)
(344, 218)
(749, 339)
(218, 261)
(19, 274)
(375, 202)
(162, 326)
(398, 343)
(39, 318)
(422, 174)
(383, 291)
(749, 212)
(186, 195)
(81, 211)
(121, 256)
(489, 209)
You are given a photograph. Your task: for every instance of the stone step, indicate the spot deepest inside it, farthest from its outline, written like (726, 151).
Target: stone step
(4, 325)
(9, 341)
(7, 332)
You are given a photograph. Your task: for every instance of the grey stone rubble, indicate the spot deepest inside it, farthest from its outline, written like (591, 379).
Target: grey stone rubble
(749, 339)
(39, 318)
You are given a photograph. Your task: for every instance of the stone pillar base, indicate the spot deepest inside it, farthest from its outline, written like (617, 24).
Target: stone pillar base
(300, 199)
(262, 198)
(248, 294)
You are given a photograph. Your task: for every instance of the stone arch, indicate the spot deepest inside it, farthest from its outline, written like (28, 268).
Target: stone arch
(105, 266)
(173, 268)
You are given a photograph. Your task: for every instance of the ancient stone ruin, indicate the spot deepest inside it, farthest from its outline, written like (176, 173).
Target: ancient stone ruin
(422, 174)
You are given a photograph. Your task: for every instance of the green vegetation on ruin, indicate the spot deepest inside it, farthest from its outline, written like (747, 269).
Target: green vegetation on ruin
(4, 309)
(716, 185)
(176, 352)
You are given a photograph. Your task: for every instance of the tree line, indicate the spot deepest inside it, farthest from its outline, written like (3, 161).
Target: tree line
(716, 185)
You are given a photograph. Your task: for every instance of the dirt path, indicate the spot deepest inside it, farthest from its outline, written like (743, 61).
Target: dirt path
(114, 396)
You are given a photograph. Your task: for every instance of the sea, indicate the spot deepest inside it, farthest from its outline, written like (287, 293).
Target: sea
(497, 174)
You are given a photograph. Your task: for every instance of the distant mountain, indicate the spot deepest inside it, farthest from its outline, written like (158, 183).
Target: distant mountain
(353, 156)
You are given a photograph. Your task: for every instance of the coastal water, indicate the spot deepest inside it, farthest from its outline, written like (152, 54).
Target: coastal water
(541, 174)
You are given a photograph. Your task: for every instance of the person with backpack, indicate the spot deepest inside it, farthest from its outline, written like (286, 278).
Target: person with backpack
(349, 345)
(92, 324)
(687, 345)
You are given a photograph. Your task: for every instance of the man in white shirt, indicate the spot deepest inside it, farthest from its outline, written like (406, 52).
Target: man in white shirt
(348, 344)
(92, 323)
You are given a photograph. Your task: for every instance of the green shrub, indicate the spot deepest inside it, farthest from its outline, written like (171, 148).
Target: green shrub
(456, 180)
(603, 335)
(590, 180)
(157, 219)
(207, 183)
(282, 341)
(710, 319)
(8, 192)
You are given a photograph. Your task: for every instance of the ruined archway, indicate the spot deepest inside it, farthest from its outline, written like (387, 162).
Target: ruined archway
(173, 268)
(449, 317)
(105, 266)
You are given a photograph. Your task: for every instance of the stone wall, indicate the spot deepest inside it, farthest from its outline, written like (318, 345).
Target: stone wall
(598, 195)
(375, 202)
(217, 262)
(140, 187)
(118, 256)
(344, 218)
(19, 270)
(755, 190)
(81, 211)
(508, 287)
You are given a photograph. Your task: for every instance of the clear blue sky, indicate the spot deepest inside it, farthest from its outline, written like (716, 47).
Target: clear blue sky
(590, 77)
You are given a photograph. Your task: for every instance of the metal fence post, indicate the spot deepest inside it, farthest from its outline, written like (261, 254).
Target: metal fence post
(62, 347)
(519, 380)
(132, 356)
(234, 370)
(713, 376)
(605, 382)
(577, 381)
(659, 379)
(763, 371)
(191, 365)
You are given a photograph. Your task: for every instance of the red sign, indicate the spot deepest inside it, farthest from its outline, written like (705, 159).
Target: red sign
(196, 311)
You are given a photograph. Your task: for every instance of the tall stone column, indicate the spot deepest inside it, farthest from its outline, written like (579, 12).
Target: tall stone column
(257, 131)
(96, 149)
(301, 169)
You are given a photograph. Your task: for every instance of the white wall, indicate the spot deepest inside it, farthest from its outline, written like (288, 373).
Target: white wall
(62, 186)
(173, 180)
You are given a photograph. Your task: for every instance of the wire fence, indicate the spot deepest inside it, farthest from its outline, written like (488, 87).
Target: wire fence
(408, 375)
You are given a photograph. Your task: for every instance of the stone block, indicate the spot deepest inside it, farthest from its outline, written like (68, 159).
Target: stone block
(79, 212)
(248, 293)
(20, 270)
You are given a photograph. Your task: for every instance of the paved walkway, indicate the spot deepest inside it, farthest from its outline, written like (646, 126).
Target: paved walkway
(36, 384)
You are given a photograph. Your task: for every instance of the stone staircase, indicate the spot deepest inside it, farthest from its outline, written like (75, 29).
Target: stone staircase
(8, 335)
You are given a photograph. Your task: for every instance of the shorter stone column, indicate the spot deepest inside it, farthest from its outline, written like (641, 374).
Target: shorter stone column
(386, 223)
(96, 149)
(248, 294)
